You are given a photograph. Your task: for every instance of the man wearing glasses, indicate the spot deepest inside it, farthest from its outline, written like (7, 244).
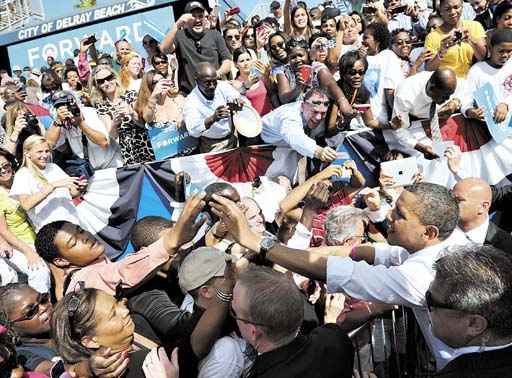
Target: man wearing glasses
(194, 44)
(470, 307)
(298, 124)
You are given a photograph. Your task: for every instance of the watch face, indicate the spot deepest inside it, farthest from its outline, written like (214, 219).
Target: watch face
(267, 243)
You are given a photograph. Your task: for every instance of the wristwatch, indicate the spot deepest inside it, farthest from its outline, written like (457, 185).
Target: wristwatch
(267, 243)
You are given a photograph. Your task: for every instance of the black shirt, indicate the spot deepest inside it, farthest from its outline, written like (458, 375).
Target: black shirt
(192, 49)
(326, 352)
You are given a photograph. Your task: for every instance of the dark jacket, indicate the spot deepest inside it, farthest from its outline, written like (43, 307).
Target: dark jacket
(498, 238)
(491, 364)
(501, 204)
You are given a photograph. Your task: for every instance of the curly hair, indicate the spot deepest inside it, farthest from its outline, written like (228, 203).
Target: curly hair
(45, 240)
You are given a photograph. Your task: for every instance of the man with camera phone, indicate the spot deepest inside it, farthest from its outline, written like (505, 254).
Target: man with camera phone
(77, 135)
(208, 110)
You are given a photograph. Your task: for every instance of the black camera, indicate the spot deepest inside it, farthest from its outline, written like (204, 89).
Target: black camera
(31, 120)
(458, 36)
(90, 40)
(234, 106)
(67, 99)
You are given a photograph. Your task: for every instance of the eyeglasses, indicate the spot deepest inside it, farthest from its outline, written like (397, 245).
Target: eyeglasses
(317, 104)
(279, 45)
(231, 37)
(319, 46)
(432, 303)
(197, 45)
(32, 310)
(247, 36)
(108, 78)
(233, 314)
(157, 62)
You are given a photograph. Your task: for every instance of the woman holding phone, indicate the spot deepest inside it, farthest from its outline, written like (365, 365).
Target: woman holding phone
(251, 80)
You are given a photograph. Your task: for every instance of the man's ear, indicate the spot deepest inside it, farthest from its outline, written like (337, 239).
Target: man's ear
(431, 232)
(61, 262)
(477, 324)
(89, 342)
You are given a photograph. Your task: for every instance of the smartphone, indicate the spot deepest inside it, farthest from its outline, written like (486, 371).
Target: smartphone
(399, 9)
(91, 40)
(305, 73)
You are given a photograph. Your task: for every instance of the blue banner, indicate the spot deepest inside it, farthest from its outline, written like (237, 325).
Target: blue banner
(155, 22)
(169, 141)
(45, 16)
(486, 98)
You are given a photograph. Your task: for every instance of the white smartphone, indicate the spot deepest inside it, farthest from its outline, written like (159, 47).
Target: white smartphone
(402, 171)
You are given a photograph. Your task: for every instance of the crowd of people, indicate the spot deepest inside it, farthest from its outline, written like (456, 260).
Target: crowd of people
(245, 284)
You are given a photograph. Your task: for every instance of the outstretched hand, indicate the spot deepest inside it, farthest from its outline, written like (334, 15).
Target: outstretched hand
(187, 225)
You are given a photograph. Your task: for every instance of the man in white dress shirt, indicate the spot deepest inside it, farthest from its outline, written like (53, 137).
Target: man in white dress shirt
(206, 112)
(474, 196)
(417, 99)
(421, 229)
(298, 124)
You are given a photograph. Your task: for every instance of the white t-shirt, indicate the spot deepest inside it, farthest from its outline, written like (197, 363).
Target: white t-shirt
(384, 72)
(99, 157)
(57, 206)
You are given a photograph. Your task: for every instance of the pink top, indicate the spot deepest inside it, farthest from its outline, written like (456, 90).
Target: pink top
(83, 67)
(132, 270)
(30, 374)
(259, 99)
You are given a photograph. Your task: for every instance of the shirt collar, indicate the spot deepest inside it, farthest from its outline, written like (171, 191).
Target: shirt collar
(478, 234)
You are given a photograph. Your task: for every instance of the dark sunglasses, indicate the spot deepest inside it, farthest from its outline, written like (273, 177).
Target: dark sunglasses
(432, 303)
(403, 43)
(356, 72)
(279, 45)
(247, 36)
(33, 309)
(157, 62)
(231, 37)
(108, 78)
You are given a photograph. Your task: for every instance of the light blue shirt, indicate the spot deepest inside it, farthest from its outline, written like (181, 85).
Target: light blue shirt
(284, 126)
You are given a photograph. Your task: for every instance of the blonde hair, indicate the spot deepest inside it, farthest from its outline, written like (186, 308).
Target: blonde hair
(28, 145)
(12, 113)
(124, 75)
(97, 95)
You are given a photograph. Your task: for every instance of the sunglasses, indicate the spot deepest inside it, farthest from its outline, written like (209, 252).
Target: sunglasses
(432, 303)
(108, 78)
(279, 45)
(33, 309)
(356, 72)
(6, 168)
(317, 104)
(403, 43)
(231, 37)
(247, 36)
(157, 62)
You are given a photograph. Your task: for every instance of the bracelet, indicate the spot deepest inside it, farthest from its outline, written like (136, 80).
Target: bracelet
(224, 297)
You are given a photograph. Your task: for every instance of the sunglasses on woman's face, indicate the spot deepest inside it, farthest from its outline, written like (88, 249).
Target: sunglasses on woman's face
(279, 45)
(108, 78)
(157, 62)
(32, 310)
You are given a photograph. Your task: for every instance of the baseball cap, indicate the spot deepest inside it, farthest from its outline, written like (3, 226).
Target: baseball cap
(16, 68)
(61, 98)
(275, 5)
(193, 5)
(199, 266)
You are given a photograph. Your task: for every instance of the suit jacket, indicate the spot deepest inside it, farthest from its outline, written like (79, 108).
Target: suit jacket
(498, 238)
(501, 203)
(490, 364)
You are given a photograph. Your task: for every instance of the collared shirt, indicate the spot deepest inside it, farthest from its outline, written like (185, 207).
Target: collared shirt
(411, 99)
(396, 277)
(197, 108)
(132, 270)
(403, 21)
(477, 235)
(285, 126)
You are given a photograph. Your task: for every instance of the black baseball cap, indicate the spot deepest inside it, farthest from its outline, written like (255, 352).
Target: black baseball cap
(193, 5)
(275, 5)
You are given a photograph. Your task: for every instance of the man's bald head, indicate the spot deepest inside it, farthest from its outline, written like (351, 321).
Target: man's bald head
(474, 197)
(205, 69)
(206, 78)
(442, 84)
